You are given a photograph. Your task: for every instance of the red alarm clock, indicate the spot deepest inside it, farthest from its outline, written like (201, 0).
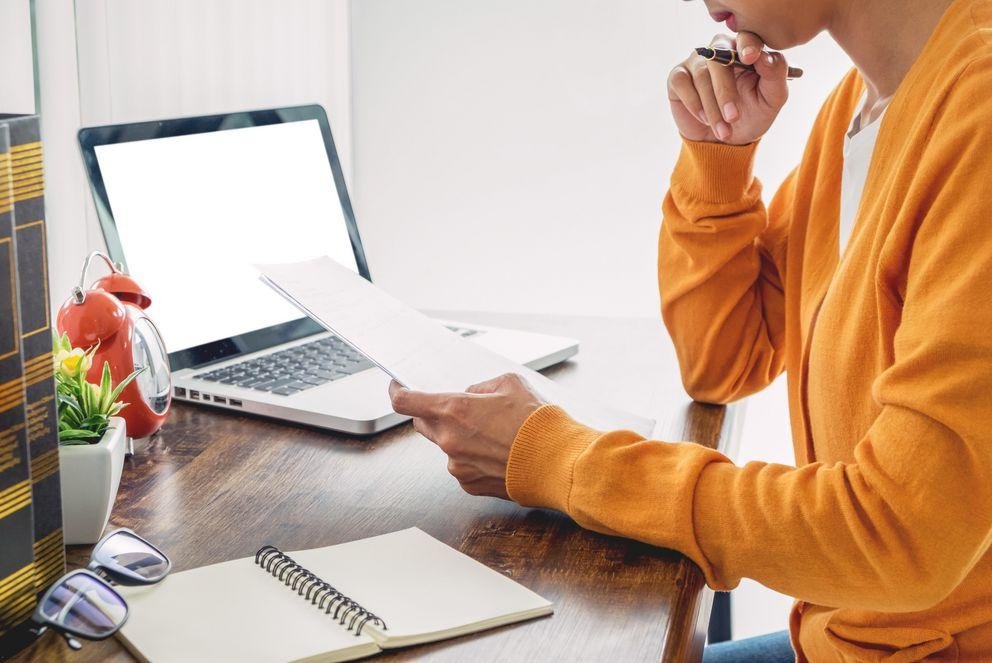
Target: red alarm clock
(111, 313)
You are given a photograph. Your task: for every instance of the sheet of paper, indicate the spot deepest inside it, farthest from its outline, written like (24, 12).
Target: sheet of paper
(417, 351)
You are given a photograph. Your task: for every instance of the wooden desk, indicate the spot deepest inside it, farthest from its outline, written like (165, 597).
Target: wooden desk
(214, 486)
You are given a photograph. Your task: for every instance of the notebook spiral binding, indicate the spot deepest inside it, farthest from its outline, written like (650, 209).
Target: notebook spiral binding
(315, 590)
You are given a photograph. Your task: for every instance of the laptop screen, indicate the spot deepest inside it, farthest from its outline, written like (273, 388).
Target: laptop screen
(193, 214)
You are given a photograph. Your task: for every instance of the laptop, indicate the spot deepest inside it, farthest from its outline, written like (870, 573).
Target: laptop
(187, 206)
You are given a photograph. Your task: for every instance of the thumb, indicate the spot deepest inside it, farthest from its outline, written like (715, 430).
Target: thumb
(772, 70)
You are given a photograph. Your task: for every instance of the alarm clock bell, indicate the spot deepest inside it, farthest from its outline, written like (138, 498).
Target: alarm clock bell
(111, 315)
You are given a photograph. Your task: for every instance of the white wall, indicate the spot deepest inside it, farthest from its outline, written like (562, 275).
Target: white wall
(65, 184)
(513, 154)
(16, 72)
(147, 59)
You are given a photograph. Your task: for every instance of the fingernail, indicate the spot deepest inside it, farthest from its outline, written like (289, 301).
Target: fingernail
(747, 52)
(702, 118)
(722, 130)
(770, 59)
(730, 111)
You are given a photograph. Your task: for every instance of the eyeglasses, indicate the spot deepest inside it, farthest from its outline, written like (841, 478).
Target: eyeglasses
(83, 603)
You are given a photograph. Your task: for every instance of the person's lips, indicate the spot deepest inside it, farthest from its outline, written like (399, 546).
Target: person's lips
(729, 17)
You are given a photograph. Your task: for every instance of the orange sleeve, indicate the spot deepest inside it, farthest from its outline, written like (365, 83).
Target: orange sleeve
(721, 260)
(902, 524)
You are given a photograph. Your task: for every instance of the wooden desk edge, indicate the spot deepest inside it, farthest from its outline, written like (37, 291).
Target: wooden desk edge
(685, 633)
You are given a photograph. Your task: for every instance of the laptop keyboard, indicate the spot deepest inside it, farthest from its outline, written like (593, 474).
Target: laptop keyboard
(299, 368)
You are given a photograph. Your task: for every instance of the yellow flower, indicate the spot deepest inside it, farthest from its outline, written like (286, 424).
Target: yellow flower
(73, 362)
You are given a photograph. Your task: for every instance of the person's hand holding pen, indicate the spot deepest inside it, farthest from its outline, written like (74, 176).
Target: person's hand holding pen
(727, 104)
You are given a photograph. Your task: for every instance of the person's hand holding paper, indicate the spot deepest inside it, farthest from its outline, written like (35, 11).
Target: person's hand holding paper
(464, 397)
(475, 429)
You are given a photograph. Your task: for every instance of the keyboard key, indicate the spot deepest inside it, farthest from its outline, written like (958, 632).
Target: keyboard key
(285, 391)
(251, 382)
(273, 384)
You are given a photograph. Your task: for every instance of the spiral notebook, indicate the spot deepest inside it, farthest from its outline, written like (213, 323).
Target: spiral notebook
(337, 603)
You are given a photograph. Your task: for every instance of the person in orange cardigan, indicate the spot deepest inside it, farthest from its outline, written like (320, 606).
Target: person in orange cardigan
(868, 280)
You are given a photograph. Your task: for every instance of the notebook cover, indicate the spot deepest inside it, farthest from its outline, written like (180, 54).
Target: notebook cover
(36, 345)
(17, 585)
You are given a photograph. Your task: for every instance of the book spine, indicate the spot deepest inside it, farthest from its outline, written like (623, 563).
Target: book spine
(17, 571)
(36, 342)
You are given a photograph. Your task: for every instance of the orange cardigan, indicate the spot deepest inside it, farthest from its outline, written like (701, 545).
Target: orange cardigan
(882, 531)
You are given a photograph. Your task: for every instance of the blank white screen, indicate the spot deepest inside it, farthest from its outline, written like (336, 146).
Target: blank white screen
(194, 213)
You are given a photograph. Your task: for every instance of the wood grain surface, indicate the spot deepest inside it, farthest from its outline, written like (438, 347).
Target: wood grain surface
(214, 486)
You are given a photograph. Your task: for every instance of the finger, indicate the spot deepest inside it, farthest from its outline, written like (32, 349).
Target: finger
(773, 87)
(725, 90)
(424, 427)
(487, 387)
(497, 384)
(466, 473)
(516, 383)
(416, 403)
(724, 81)
(455, 468)
(749, 47)
(704, 87)
(681, 88)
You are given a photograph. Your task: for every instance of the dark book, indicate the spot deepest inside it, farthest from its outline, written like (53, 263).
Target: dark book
(17, 572)
(34, 317)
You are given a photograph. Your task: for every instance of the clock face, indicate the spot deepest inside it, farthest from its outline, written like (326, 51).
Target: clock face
(148, 351)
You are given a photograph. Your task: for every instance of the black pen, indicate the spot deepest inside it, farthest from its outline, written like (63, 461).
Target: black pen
(727, 57)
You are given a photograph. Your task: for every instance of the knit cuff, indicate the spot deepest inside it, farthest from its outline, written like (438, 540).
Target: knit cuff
(714, 172)
(542, 458)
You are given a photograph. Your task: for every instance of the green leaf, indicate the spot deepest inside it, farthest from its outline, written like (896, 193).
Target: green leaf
(60, 342)
(83, 393)
(87, 393)
(71, 419)
(69, 402)
(94, 422)
(77, 434)
(74, 442)
(124, 383)
(106, 388)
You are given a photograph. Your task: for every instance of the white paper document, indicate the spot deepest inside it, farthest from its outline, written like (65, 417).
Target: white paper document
(416, 351)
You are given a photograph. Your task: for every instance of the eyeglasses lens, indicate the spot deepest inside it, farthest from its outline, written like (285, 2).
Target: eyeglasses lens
(86, 605)
(135, 555)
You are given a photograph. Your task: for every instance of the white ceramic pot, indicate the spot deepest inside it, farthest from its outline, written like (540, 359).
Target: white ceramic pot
(90, 476)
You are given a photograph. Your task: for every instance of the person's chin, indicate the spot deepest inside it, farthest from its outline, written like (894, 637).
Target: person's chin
(771, 42)
(780, 41)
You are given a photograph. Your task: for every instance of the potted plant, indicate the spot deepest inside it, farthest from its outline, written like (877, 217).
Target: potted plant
(92, 441)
